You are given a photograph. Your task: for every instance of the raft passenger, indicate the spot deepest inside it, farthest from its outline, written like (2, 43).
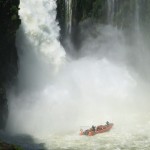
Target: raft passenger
(107, 123)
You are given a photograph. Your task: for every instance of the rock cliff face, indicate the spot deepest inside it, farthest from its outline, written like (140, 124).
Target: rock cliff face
(76, 11)
(9, 23)
(125, 14)
(70, 13)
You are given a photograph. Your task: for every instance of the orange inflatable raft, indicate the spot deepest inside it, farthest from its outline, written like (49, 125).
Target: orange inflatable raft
(99, 129)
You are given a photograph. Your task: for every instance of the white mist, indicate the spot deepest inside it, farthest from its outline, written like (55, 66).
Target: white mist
(56, 94)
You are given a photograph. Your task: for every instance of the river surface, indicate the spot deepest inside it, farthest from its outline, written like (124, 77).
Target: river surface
(133, 136)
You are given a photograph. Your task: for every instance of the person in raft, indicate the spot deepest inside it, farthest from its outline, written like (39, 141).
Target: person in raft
(107, 123)
(93, 128)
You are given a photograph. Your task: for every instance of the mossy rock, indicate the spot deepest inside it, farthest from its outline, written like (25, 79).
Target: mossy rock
(14, 9)
(5, 146)
(14, 17)
(16, 147)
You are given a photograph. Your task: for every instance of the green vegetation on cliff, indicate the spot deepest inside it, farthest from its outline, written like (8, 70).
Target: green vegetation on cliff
(9, 23)
(80, 11)
(124, 14)
(6, 146)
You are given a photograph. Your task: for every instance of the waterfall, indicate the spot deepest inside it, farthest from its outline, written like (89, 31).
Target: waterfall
(40, 57)
(45, 99)
(37, 41)
(40, 29)
(110, 10)
(137, 16)
(68, 15)
(54, 99)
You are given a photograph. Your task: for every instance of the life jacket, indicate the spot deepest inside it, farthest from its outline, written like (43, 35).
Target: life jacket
(91, 133)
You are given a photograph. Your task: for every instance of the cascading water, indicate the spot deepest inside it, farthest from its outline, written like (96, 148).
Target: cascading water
(68, 15)
(56, 95)
(38, 41)
(137, 17)
(111, 10)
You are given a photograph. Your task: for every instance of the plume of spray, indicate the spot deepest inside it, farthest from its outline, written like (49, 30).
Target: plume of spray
(39, 48)
(56, 93)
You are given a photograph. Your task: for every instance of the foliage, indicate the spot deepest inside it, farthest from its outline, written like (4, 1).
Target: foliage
(9, 23)
(17, 147)
(4, 145)
(83, 9)
(14, 17)
(97, 8)
(14, 9)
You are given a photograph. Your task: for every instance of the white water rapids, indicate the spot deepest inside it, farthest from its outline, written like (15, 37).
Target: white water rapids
(56, 95)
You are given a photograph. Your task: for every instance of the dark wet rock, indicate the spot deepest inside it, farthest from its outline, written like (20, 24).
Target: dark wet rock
(6, 146)
(9, 23)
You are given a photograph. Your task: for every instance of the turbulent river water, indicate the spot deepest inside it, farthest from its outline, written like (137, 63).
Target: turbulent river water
(56, 94)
